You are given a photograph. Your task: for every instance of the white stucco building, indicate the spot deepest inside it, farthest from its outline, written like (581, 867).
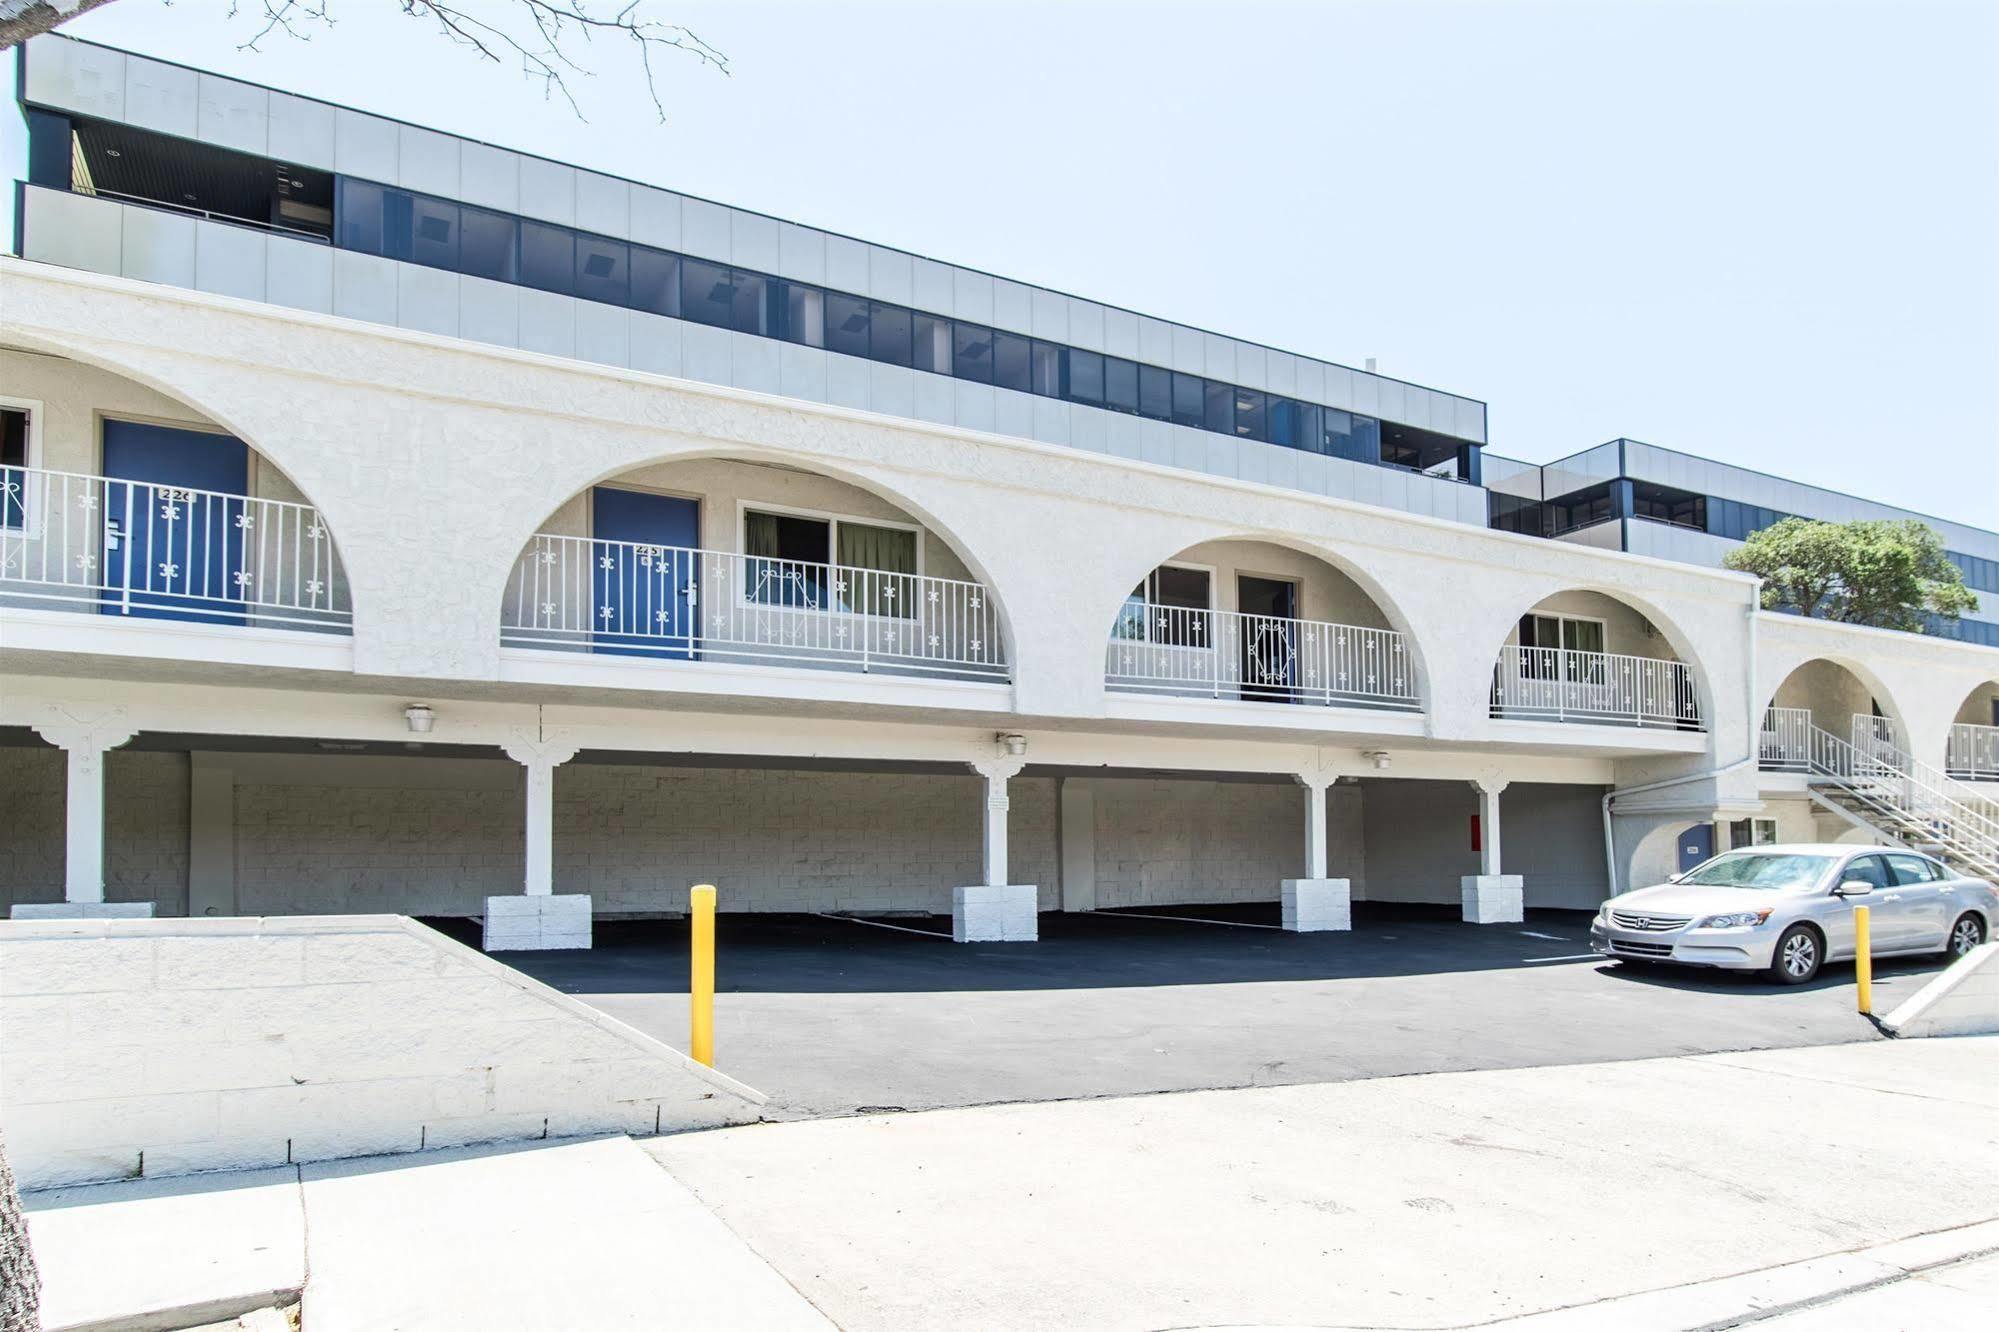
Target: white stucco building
(397, 523)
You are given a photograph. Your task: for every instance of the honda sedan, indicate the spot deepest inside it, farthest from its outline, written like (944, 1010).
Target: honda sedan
(1788, 910)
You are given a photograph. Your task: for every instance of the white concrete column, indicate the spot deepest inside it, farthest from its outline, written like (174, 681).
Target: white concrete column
(84, 741)
(540, 918)
(995, 910)
(1315, 902)
(1490, 896)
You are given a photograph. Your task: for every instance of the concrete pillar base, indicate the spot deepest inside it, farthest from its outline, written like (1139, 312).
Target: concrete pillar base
(1312, 905)
(537, 921)
(996, 913)
(1492, 899)
(83, 911)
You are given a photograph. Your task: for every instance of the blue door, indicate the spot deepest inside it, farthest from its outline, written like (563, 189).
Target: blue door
(1696, 845)
(172, 541)
(644, 573)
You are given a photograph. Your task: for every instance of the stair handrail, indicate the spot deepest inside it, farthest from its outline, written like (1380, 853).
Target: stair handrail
(1879, 784)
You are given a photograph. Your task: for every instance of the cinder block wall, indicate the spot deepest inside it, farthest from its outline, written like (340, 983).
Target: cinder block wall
(145, 822)
(1171, 840)
(161, 1047)
(1419, 841)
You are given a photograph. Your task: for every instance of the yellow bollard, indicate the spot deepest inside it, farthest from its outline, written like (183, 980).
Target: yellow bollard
(1863, 959)
(701, 980)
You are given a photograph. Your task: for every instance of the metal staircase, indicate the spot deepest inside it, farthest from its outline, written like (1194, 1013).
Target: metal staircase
(1875, 785)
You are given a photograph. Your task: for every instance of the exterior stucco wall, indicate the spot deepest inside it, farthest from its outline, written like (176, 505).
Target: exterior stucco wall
(1324, 593)
(1979, 707)
(1626, 631)
(1833, 694)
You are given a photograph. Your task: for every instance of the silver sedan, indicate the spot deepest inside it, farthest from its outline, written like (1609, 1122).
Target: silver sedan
(1788, 910)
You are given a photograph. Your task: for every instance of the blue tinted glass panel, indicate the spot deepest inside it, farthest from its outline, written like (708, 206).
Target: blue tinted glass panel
(363, 226)
(804, 315)
(707, 296)
(1086, 377)
(888, 333)
(749, 302)
(603, 270)
(656, 282)
(846, 324)
(1249, 414)
(434, 232)
(930, 343)
(488, 244)
(1219, 409)
(1045, 369)
(1120, 384)
(548, 257)
(972, 352)
(1189, 406)
(1010, 361)
(1311, 430)
(1282, 419)
(1155, 392)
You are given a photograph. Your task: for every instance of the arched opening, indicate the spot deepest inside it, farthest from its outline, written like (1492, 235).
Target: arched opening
(1824, 697)
(1972, 752)
(1590, 657)
(119, 499)
(752, 561)
(1259, 622)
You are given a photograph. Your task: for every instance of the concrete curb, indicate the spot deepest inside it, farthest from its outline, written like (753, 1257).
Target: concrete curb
(1963, 1001)
(1725, 1302)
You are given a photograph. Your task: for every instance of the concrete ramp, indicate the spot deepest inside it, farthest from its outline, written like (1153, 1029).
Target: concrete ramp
(1963, 1001)
(139, 1048)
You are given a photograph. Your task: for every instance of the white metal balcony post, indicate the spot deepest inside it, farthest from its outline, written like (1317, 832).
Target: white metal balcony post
(539, 918)
(84, 742)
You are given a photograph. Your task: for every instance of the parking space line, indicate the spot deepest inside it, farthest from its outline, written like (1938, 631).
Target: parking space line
(1188, 920)
(882, 925)
(1566, 957)
(1554, 937)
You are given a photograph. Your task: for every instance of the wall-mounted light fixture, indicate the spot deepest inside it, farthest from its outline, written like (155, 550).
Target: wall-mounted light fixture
(1379, 757)
(1012, 742)
(420, 718)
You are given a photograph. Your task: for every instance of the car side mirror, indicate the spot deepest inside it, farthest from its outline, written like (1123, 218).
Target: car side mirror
(1853, 888)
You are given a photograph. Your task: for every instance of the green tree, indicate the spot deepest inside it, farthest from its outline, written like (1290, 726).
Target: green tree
(1880, 573)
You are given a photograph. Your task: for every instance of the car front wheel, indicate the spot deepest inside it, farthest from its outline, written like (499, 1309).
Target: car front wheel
(1797, 957)
(1965, 935)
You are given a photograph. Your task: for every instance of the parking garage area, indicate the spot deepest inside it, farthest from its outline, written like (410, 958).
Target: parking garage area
(834, 1015)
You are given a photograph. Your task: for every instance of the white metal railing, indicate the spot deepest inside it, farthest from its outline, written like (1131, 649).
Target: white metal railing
(584, 595)
(1557, 684)
(1785, 742)
(1878, 738)
(100, 544)
(1907, 800)
(1972, 752)
(1257, 658)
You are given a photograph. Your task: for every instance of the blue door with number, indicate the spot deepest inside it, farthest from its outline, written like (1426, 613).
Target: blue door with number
(173, 510)
(645, 573)
(1696, 845)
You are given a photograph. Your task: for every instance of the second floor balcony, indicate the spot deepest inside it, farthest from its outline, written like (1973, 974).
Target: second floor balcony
(1973, 753)
(1607, 688)
(1200, 653)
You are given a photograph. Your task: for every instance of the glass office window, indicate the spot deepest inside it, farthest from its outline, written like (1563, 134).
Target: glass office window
(1120, 384)
(548, 257)
(888, 333)
(374, 219)
(972, 352)
(656, 282)
(1086, 377)
(1311, 431)
(1220, 408)
(1045, 369)
(846, 324)
(1189, 405)
(1282, 420)
(749, 302)
(488, 244)
(804, 315)
(434, 233)
(930, 343)
(603, 270)
(707, 296)
(1010, 361)
(1155, 392)
(1249, 414)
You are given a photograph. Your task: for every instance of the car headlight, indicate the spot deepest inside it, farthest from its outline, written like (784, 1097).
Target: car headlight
(1734, 920)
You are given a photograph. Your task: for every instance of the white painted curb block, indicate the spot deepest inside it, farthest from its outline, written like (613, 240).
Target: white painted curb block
(1313, 905)
(1963, 1001)
(1493, 899)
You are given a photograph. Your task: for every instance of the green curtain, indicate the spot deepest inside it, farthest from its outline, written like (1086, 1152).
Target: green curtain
(887, 549)
(760, 535)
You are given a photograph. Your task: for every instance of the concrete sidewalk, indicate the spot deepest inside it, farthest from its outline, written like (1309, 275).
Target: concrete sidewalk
(586, 1234)
(1433, 1201)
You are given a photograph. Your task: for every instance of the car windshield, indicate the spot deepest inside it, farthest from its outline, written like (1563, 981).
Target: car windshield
(1751, 869)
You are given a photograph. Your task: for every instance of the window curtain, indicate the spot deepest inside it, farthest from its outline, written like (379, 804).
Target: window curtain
(760, 543)
(887, 550)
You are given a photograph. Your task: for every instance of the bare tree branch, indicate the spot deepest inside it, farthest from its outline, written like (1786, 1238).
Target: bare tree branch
(541, 37)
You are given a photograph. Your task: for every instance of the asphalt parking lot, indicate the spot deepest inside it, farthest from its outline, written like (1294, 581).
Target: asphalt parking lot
(833, 1016)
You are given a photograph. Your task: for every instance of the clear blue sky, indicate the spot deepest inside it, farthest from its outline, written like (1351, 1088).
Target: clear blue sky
(1765, 232)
